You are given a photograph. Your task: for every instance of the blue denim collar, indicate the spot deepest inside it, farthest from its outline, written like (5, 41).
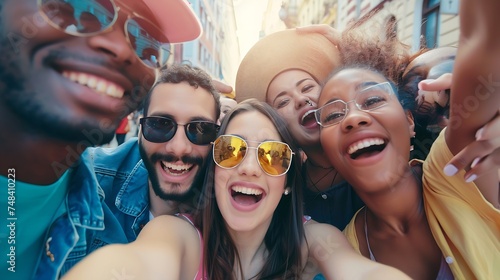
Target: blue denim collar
(133, 197)
(86, 198)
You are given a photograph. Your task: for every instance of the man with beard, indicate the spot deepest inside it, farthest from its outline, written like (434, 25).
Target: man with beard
(153, 174)
(62, 90)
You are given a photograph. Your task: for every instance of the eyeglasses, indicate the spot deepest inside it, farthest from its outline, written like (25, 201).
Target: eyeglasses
(92, 17)
(162, 129)
(368, 99)
(274, 157)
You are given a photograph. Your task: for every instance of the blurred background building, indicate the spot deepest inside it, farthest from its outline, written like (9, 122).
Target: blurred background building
(219, 50)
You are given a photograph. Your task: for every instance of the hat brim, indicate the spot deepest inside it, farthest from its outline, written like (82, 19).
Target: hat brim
(281, 51)
(176, 19)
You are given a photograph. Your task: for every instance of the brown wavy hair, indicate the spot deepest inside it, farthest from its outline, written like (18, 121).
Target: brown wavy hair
(285, 235)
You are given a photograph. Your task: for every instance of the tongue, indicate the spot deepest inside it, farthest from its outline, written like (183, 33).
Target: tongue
(309, 121)
(244, 199)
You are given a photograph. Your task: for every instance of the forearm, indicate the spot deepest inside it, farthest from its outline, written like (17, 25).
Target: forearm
(475, 89)
(113, 262)
(476, 75)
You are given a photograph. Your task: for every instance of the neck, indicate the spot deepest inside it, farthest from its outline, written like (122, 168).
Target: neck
(37, 158)
(316, 155)
(321, 178)
(397, 207)
(251, 250)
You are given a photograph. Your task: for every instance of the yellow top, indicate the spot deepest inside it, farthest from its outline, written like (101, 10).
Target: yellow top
(465, 226)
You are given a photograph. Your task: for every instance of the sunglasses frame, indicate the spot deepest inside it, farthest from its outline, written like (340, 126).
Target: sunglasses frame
(175, 128)
(256, 150)
(130, 16)
(317, 112)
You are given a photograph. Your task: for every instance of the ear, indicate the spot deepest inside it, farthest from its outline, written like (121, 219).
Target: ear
(287, 191)
(411, 123)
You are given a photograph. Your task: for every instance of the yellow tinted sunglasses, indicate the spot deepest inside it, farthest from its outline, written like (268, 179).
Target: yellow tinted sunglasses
(274, 157)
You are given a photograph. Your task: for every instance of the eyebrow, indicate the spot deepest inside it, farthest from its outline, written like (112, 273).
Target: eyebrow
(195, 118)
(364, 85)
(296, 85)
(358, 88)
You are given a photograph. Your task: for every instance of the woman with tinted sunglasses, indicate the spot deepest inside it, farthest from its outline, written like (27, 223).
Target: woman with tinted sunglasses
(249, 224)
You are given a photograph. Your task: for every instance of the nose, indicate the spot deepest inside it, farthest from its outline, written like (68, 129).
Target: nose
(301, 100)
(249, 166)
(114, 44)
(179, 145)
(355, 117)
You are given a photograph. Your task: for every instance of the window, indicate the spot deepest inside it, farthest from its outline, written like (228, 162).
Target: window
(430, 23)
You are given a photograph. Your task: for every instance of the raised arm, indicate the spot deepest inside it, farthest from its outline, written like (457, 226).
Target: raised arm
(165, 249)
(336, 259)
(475, 89)
(475, 96)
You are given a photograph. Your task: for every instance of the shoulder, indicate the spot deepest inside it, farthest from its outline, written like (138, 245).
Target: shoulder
(169, 223)
(168, 228)
(319, 234)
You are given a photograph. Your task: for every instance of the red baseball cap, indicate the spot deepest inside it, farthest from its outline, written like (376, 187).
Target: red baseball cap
(176, 19)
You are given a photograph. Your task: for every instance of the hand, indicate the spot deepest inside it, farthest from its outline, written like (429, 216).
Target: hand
(482, 155)
(332, 34)
(435, 90)
(222, 87)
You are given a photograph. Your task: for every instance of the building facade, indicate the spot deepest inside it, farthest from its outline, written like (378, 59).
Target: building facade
(419, 23)
(217, 49)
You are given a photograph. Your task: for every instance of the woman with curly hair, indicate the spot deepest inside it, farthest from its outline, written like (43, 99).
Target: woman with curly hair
(423, 217)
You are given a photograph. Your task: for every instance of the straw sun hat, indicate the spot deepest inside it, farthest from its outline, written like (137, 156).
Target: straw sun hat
(280, 51)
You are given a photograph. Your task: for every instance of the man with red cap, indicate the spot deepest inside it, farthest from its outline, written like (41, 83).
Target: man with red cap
(65, 87)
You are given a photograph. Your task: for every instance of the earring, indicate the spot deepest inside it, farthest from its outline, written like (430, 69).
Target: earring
(412, 139)
(287, 191)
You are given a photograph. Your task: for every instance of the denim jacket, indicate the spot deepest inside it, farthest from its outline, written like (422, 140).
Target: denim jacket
(124, 179)
(70, 237)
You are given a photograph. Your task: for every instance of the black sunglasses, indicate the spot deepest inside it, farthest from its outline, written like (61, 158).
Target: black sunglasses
(162, 129)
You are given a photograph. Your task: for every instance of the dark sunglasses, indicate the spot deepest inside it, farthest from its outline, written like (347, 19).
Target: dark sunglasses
(274, 157)
(162, 129)
(92, 17)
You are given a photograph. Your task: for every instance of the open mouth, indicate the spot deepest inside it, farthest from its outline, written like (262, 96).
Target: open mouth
(96, 83)
(176, 169)
(246, 196)
(366, 148)
(308, 119)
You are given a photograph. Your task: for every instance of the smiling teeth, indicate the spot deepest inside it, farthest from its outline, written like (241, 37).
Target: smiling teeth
(176, 167)
(365, 143)
(245, 190)
(96, 83)
(307, 114)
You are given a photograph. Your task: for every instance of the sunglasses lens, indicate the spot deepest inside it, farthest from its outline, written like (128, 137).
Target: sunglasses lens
(229, 151)
(201, 133)
(79, 17)
(158, 130)
(274, 157)
(149, 43)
